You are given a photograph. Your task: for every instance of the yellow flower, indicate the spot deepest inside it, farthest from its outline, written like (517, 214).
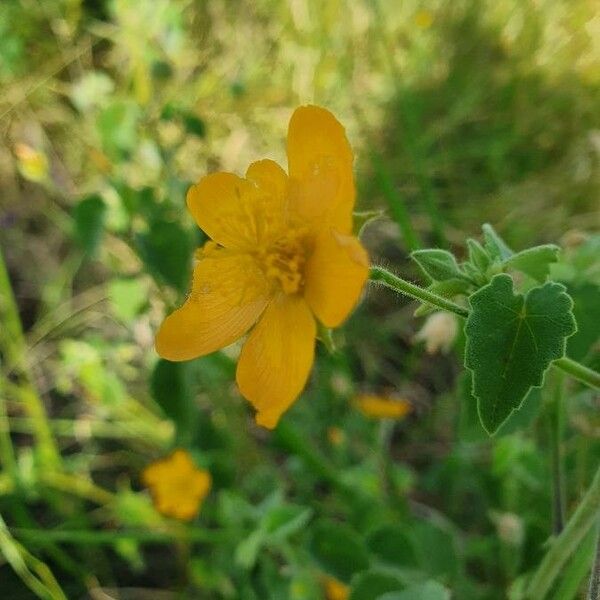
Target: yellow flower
(335, 590)
(424, 19)
(335, 436)
(177, 486)
(381, 407)
(32, 163)
(282, 254)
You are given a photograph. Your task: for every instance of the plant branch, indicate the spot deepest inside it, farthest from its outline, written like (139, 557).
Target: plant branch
(384, 277)
(401, 286)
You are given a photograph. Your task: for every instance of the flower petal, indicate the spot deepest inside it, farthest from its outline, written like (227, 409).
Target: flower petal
(335, 275)
(237, 212)
(269, 177)
(228, 295)
(277, 358)
(320, 165)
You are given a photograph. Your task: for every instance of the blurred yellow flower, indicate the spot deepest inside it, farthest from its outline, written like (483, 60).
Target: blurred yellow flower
(424, 19)
(336, 436)
(381, 407)
(438, 332)
(177, 486)
(282, 253)
(32, 163)
(335, 590)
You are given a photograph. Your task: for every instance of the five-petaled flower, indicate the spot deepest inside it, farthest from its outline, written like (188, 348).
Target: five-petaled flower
(281, 254)
(177, 486)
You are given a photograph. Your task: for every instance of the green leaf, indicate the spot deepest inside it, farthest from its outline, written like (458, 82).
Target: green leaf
(362, 219)
(372, 584)
(391, 545)
(89, 217)
(436, 549)
(247, 550)
(127, 297)
(439, 265)
(338, 549)
(166, 250)
(494, 244)
(511, 341)
(282, 521)
(478, 256)
(470, 424)
(194, 125)
(170, 387)
(534, 262)
(429, 590)
(448, 289)
(587, 314)
(117, 125)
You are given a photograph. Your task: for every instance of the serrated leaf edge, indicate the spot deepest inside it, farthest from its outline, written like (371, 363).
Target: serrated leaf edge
(542, 378)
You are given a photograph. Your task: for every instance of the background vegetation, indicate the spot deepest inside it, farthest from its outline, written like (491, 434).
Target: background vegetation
(459, 112)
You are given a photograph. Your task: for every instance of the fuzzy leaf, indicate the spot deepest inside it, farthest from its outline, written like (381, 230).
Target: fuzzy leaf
(511, 341)
(534, 262)
(478, 256)
(439, 265)
(494, 244)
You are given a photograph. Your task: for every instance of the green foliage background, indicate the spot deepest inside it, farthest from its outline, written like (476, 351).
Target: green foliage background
(459, 112)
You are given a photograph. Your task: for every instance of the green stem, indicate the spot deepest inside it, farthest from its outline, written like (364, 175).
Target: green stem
(594, 591)
(395, 202)
(556, 432)
(384, 277)
(563, 546)
(579, 372)
(14, 350)
(7, 452)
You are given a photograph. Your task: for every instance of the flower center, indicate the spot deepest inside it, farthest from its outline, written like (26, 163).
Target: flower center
(283, 262)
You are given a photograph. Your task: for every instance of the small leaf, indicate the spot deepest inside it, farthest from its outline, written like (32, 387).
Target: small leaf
(338, 550)
(166, 249)
(439, 265)
(170, 386)
(478, 256)
(511, 342)
(534, 262)
(429, 590)
(448, 289)
(362, 219)
(372, 584)
(247, 550)
(391, 545)
(194, 125)
(117, 125)
(127, 297)
(494, 244)
(282, 521)
(89, 217)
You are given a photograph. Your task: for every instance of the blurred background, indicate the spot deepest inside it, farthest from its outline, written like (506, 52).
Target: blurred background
(459, 112)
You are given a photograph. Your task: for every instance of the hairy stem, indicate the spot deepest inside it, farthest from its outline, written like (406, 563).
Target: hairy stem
(401, 286)
(384, 277)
